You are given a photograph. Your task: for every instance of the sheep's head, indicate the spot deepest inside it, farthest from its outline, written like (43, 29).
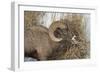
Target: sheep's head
(60, 30)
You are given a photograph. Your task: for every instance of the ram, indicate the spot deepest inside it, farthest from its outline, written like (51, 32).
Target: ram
(40, 42)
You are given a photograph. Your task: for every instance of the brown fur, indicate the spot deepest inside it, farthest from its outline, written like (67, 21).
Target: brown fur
(37, 39)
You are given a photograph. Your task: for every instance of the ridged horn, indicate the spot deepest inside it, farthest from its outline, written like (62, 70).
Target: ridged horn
(53, 27)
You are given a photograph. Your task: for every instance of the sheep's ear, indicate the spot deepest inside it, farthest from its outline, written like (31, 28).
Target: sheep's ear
(58, 33)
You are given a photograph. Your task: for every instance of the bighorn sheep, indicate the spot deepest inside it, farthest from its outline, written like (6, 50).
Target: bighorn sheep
(39, 42)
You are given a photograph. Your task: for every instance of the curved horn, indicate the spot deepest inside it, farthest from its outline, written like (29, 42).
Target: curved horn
(53, 27)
